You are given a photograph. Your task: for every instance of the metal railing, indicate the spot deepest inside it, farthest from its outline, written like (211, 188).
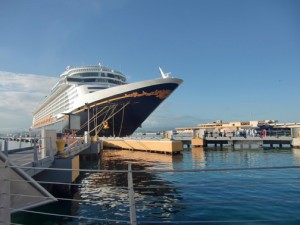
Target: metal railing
(5, 182)
(41, 154)
(76, 146)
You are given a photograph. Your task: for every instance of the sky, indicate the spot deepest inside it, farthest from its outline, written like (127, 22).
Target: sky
(239, 59)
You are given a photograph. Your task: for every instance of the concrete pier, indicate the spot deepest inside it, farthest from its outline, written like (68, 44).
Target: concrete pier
(198, 142)
(296, 142)
(244, 141)
(160, 146)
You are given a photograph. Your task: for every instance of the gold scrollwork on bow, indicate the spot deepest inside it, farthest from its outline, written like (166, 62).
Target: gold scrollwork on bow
(161, 94)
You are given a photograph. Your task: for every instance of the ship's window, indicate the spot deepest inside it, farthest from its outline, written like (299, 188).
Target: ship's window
(103, 75)
(89, 80)
(114, 82)
(121, 78)
(101, 80)
(111, 75)
(74, 79)
(96, 88)
(118, 77)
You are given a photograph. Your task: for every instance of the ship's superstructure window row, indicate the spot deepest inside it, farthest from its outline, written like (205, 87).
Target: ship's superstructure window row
(96, 87)
(93, 80)
(88, 74)
(91, 69)
(58, 105)
(110, 75)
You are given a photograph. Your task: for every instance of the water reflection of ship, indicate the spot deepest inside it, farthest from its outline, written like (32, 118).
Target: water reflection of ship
(111, 190)
(146, 158)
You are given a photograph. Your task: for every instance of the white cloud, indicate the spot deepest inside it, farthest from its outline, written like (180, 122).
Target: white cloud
(19, 95)
(25, 82)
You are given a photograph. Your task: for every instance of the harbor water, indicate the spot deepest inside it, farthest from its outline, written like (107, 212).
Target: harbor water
(207, 196)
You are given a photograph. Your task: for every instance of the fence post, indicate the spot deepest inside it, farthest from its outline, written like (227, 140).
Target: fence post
(5, 195)
(131, 197)
(6, 147)
(35, 154)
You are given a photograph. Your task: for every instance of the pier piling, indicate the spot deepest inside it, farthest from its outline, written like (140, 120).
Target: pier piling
(133, 220)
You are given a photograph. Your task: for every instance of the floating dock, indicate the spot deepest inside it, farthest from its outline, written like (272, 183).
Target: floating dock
(149, 145)
(234, 141)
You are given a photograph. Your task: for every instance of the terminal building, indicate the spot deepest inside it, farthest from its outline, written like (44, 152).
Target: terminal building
(253, 128)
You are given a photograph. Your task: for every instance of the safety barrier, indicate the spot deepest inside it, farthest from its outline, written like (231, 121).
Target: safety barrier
(131, 195)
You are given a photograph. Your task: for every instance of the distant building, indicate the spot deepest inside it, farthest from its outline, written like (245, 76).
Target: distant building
(272, 127)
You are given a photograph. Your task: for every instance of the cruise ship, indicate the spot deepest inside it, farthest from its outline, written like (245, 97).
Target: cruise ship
(101, 102)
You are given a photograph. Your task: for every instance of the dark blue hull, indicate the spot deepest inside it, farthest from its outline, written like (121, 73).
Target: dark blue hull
(121, 115)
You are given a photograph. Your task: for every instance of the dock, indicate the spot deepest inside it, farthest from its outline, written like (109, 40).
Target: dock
(242, 141)
(20, 139)
(47, 152)
(248, 141)
(166, 146)
(29, 158)
(52, 161)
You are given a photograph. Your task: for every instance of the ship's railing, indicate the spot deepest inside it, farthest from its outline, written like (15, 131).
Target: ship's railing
(74, 143)
(132, 215)
(71, 144)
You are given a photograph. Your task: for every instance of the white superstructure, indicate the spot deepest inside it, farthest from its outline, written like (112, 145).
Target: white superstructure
(74, 83)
